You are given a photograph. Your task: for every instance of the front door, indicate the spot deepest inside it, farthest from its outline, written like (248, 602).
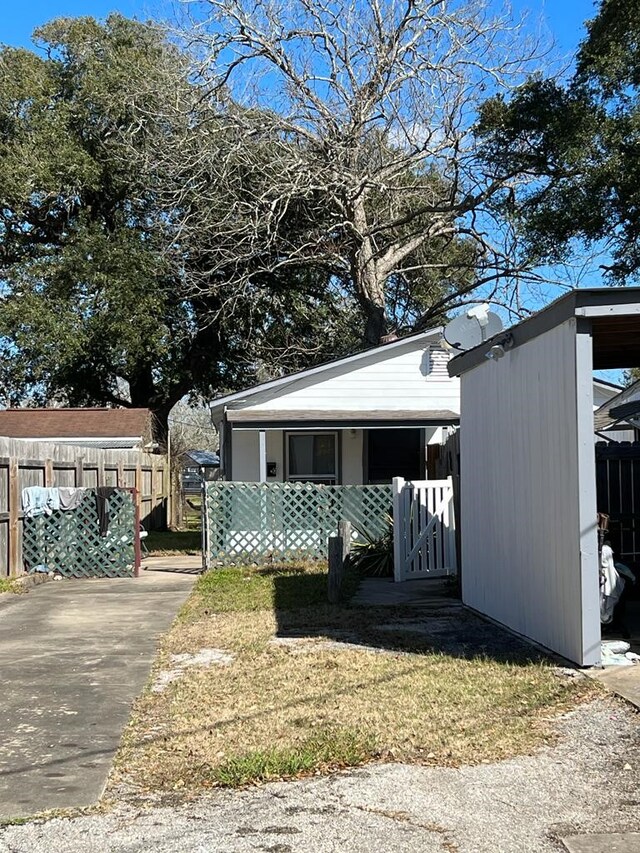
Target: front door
(395, 453)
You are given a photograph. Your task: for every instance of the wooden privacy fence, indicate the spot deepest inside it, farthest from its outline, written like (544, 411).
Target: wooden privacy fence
(258, 521)
(424, 529)
(28, 463)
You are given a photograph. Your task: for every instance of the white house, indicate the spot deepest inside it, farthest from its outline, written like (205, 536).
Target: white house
(357, 420)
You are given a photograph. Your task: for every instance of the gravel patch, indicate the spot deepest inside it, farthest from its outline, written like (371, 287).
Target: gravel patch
(182, 662)
(587, 783)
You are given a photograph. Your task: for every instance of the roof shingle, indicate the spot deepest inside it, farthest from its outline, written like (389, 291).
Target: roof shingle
(69, 423)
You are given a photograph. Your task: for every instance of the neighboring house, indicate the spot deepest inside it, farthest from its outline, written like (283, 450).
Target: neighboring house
(606, 394)
(357, 420)
(618, 415)
(198, 465)
(103, 428)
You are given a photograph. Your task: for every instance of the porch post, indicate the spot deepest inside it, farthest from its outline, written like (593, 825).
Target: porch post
(262, 444)
(398, 529)
(587, 497)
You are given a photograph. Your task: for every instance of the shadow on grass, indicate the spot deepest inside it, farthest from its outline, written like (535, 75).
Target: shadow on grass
(437, 624)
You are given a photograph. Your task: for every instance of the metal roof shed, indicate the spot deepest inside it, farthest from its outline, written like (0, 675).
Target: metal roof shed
(528, 486)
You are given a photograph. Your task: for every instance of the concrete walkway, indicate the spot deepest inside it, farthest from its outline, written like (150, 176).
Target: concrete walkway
(429, 593)
(623, 680)
(75, 654)
(189, 564)
(625, 842)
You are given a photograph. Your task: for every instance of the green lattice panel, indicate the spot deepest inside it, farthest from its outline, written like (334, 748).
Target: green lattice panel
(70, 543)
(257, 521)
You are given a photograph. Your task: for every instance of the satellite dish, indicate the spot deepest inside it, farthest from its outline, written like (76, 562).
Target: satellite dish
(471, 329)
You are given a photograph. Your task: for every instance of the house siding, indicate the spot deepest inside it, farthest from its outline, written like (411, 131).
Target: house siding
(528, 533)
(415, 380)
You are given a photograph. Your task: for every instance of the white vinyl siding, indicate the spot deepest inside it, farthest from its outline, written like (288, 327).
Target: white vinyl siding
(528, 526)
(415, 381)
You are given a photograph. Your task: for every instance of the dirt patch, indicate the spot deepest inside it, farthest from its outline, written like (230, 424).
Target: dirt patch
(184, 661)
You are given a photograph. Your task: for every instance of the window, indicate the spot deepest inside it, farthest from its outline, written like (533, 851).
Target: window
(312, 456)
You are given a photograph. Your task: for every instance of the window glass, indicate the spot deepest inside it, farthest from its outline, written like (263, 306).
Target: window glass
(300, 455)
(312, 456)
(324, 454)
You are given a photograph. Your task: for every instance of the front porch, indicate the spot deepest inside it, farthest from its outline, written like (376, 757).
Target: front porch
(354, 451)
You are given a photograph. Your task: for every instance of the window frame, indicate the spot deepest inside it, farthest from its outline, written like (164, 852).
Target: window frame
(319, 478)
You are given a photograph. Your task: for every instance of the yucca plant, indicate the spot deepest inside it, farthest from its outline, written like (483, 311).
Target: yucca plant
(371, 555)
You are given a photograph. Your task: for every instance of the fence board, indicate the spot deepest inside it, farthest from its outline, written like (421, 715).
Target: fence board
(32, 463)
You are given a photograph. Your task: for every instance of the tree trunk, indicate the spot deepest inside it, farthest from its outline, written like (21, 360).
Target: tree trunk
(375, 325)
(369, 289)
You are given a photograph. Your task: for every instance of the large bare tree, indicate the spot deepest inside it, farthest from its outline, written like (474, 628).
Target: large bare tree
(363, 158)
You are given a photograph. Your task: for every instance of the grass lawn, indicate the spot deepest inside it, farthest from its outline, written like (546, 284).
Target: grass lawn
(8, 585)
(283, 698)
(160, 543)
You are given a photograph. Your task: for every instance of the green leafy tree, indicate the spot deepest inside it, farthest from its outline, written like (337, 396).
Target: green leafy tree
(105, 300)
(579, 141)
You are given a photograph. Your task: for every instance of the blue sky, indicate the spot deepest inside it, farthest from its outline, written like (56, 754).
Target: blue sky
(17, 24)
(564, 18)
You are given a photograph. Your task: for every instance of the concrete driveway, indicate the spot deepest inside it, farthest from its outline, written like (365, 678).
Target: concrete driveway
(74, 656)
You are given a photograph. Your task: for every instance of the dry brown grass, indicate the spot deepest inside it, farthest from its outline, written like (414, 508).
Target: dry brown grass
(279, 711)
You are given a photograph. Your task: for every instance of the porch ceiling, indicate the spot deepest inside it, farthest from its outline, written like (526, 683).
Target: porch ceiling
(341, 419)
(616, 341)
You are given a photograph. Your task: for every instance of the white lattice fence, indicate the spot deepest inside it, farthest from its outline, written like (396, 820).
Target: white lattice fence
(258, 521)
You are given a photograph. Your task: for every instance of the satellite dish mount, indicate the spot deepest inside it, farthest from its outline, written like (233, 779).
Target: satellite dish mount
(472, 328)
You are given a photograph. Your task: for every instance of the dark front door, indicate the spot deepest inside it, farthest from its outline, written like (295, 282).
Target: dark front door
(394, 453)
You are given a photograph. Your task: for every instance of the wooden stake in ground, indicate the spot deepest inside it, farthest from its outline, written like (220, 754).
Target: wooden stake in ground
(338, 551)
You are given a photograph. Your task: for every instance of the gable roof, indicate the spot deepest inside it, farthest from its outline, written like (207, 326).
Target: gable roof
(73, 423)
(276, 387)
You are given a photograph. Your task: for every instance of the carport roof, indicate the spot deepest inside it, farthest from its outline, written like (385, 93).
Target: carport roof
(614, 314)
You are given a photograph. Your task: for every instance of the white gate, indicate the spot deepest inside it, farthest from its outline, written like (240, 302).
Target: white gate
(423, 529)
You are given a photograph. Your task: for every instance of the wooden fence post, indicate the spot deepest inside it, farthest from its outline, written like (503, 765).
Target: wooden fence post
(138, 486)
(335, 552)
(79, 472)
(14, 515)
(344, 532)
(48, 472)
(338, 550)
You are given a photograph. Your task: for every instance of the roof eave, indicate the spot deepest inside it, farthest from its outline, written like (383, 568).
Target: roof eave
(586, 303)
